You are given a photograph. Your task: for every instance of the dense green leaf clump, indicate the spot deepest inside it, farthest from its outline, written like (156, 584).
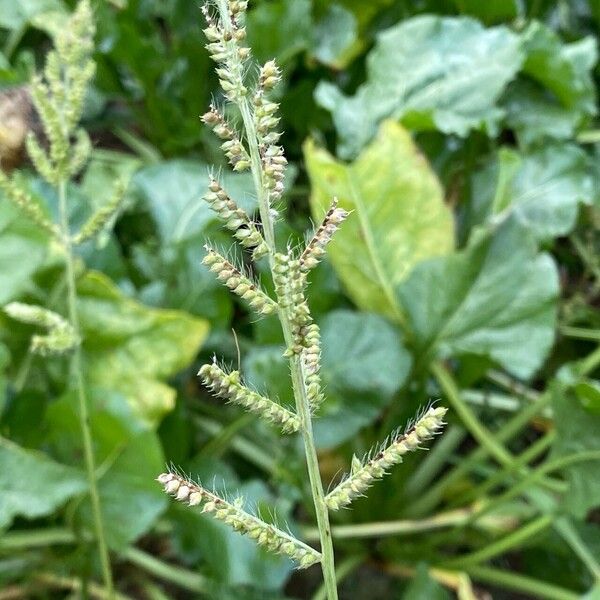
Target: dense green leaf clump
(432, 72)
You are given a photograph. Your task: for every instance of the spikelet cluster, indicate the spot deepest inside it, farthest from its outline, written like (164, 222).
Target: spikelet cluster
(272, 156)
(311, 356)
(225, 36)
(315, 249)
(61, 336)
(231, 513)
(104, 216)
(290, 283)
(238, 283)
(364, 474)
(59, 100)
(229, 386)
(21, 198)
(236, 220)
(232, 146)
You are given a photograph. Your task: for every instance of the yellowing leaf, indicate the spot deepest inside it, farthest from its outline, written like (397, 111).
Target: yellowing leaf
(132, 348)
(399, 217)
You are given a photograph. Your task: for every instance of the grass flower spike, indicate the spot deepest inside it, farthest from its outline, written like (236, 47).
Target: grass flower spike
(231, 513)
(238, 283)
(61, 336)
(229, 386)
(364, 474)
(315, 249)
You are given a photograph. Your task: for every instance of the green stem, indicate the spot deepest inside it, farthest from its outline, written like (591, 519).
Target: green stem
(516, 538)
(46, 537)
(581, 333)
(17, 540)
(520, 583)
(477, 430)
(512, 386)
(534, 476)
(193, 582)
(68, 583)
(246, 449)
(404, 527)
(77, 372)
(568, 532)
(345, 568)
(535, 450)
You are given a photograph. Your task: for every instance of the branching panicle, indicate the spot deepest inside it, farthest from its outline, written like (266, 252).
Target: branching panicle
(364, 474)
(239, 283)
(229, 386)
(231, 513)
(261, 152)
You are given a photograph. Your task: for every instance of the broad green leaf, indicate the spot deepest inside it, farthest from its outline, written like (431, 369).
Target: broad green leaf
(543, 189)
(32, 485)
(336, 37)
(565, 69)
(173, 192)
(365, 12)
(576, 431)
(131, 501)
(433, 72)
(177, 279)
(497, 298)
(358, 382)
(559, 93)
(533, 113)
(23, 248)
(362, 379)
(399, 217)
(279, 29)
(17, 14)
(105, 168)
(133, 349)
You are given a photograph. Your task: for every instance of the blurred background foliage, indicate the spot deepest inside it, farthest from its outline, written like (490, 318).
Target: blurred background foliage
(464, 136)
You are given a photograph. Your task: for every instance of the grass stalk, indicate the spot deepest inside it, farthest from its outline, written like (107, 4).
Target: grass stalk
(498, 547)
(296, 366)
(520, 583)
(77, 373)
